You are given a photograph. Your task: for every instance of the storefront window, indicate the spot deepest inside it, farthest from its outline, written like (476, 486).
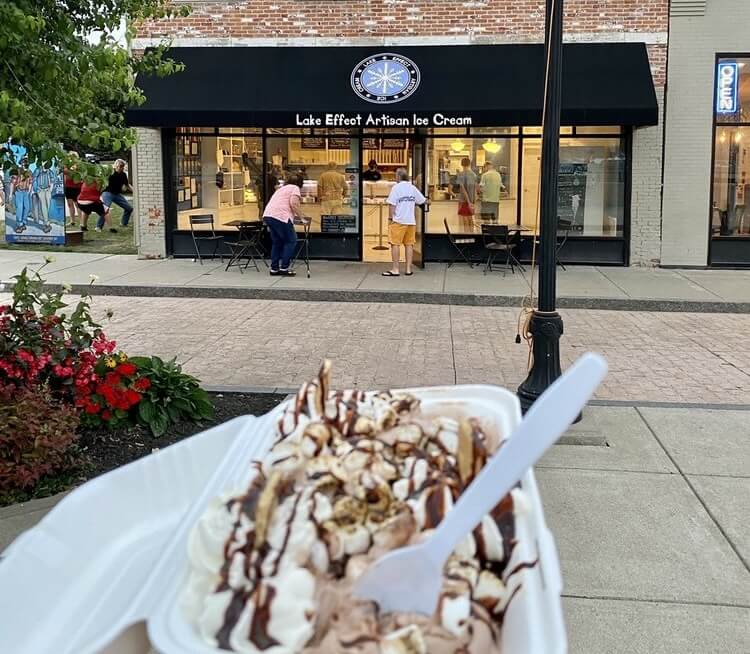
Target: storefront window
(218, 175)
(494, 130)
(730, 215)
(733, 90)
(471, 180)
(330, 168)
(606, 129)
(591, 191)
(537, 131)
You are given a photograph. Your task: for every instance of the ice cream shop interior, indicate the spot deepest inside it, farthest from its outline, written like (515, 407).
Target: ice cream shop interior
(462, 120)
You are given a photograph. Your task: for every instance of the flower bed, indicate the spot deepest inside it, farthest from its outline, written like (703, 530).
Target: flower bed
(60, 377)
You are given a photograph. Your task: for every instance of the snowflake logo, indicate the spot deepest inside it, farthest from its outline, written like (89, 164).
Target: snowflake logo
(385, 78)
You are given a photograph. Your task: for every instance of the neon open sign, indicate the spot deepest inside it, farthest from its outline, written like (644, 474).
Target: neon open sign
(726, 97)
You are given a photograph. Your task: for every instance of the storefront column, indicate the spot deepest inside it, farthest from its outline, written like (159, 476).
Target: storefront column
(645, 206)
(148, 184)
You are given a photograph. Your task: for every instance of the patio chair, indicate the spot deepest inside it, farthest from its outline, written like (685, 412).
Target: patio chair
(460, 244)
(498, 239)
(248, 247)
(204, 219)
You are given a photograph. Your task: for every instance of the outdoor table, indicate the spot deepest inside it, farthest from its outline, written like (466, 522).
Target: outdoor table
(380, 206)
(243, 246)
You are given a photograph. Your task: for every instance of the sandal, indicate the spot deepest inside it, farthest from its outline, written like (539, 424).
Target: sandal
(388, 273)
(409, 274)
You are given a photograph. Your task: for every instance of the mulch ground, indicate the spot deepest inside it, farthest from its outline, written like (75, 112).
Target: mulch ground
(104, 450)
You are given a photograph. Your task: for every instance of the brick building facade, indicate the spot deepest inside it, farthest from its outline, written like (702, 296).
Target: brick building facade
(399, 23)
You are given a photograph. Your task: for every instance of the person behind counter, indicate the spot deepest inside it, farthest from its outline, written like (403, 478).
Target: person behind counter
(332, 190)
(402, 229)
(372, 174)
(279, 215)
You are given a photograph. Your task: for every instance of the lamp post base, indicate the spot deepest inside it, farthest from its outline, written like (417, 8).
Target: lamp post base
(546, 327)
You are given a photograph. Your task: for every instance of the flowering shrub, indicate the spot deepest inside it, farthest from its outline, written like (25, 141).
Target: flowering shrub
(40, 345)
(117, 389)
(36, 433)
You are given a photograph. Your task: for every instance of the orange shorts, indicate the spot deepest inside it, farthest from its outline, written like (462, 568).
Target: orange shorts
(399, 234)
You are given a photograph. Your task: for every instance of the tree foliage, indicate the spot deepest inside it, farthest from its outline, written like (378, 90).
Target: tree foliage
(59, 85)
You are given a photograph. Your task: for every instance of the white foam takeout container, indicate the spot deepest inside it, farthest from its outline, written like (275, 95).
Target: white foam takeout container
(114, 552)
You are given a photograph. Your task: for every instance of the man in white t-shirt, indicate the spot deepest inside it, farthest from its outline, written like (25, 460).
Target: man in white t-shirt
(402, 229)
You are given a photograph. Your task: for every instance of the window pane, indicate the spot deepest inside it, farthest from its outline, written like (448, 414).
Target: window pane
(537, 131)
(733, 90)
(221, 176)
(446, 130)
(607, 129)
(330, 169)
(729, 216)
(289, 130)
(591, 185)
(494, 130)
(470, 181)
(240, 130)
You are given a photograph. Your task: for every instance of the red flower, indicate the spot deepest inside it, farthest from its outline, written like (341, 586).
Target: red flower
(132, 397)
(142, 384)
(127, 369)
(106, 414)
(112, 378)
(92, 408)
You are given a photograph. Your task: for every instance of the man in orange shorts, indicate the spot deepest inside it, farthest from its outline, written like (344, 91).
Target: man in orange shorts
(402, 227)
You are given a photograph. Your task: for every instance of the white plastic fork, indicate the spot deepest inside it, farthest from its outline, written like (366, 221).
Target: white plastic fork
(409, 579)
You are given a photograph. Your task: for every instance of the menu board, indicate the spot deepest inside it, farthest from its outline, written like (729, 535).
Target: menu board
(572, 193)
(313, 142)
(338, 143)
(337, 224)
(371, 143)
(393, 144)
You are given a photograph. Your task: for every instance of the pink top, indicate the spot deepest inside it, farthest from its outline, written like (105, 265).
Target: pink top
(280, 204)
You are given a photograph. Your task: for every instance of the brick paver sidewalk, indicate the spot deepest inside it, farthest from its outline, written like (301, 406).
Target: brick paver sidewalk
(670, 357)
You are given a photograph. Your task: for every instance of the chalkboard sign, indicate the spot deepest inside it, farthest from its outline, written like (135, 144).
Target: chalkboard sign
(338, 224)
(393, 144)
(371, 143)
(338, 143)
(572, 193)
(313, 143)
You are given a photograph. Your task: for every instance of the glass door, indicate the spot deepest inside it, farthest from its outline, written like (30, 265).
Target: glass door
(418, 178)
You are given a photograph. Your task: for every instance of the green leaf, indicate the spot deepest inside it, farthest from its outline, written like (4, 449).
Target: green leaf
(147, 411)
(159, 424)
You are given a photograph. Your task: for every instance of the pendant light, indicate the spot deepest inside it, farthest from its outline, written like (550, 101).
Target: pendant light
(457, 145)
(491, 146)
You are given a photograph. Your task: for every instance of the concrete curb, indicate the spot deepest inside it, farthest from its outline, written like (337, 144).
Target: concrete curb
(402, 297)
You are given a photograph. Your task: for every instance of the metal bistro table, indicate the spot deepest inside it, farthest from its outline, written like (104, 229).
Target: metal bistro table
(248, 246)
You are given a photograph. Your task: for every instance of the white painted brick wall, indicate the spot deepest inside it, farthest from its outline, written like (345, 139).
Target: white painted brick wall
(645, 212)
(149, 194)
(694, 42)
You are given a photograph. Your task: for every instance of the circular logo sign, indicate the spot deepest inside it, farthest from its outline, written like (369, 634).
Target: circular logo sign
(385, 78)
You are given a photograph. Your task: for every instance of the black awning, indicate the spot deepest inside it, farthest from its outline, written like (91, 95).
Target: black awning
(492, 85)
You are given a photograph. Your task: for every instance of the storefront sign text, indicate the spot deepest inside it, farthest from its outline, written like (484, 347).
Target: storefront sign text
(726, 95)
(380, 120)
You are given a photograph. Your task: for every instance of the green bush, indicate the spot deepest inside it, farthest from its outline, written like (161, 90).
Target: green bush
(37, 433)
(172, 396)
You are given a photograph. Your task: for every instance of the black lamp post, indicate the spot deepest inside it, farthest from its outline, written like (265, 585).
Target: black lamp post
(546, 325)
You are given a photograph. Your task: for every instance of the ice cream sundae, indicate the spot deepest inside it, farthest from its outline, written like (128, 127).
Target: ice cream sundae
(351, 476)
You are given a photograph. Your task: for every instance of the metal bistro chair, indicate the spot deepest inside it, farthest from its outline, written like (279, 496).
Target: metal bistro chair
(204, 219)
(497, 239)
(564, 227)
(303, 243)
(460, 244)
(248, 247)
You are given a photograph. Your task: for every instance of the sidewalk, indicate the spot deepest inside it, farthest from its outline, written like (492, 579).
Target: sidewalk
(577, 287)
(649, 510)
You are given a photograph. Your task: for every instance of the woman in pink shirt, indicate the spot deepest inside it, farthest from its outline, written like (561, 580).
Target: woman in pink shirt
(279, 215)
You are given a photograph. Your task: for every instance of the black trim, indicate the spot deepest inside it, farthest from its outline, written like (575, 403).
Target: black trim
(604, 84)
(168, 147)
(626, 142)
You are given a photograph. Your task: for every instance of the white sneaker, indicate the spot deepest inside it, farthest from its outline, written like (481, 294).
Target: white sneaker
(98, 229)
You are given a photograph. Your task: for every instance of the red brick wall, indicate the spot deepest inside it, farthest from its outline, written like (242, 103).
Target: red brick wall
(361, 20)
